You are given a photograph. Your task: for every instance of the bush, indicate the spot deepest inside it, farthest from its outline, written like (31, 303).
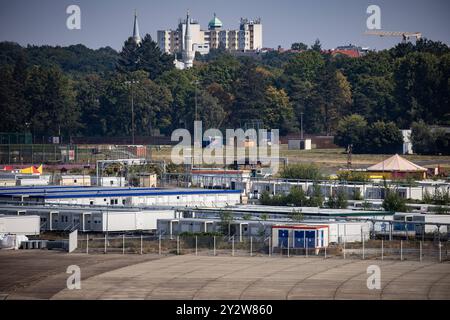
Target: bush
(338, 200)
(352, 176)
(393, 202)
(302, 171)
(296, 197)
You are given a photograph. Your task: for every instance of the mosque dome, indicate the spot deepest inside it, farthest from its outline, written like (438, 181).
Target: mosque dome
(215, 23)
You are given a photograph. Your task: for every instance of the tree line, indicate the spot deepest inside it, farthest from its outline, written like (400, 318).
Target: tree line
(77, 91)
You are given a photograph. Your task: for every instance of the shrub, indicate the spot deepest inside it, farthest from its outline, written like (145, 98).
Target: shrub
(302, 171)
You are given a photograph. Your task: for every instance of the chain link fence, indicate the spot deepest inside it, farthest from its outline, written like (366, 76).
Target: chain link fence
(411, 250)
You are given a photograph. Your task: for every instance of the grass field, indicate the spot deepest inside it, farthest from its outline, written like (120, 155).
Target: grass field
(333, 158)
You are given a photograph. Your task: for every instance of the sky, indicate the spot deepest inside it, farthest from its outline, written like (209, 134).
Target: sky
(334, 22)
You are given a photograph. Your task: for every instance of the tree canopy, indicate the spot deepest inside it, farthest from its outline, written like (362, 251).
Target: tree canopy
(79, 91)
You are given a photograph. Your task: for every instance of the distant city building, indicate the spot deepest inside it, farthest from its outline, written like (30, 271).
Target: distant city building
(247, 38)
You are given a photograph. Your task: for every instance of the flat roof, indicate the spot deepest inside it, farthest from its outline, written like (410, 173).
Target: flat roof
(93, 192)
(288, 210)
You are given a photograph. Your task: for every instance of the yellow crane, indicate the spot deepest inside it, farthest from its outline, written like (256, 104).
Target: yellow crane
(405, 35)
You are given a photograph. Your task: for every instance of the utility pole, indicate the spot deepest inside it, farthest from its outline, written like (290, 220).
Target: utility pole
(301, 125)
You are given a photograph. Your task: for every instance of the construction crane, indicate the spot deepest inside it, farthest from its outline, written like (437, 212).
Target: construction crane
(405, 35)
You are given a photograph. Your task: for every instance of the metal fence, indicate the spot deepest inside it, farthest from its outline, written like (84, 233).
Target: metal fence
(411, 250)
(65, 154)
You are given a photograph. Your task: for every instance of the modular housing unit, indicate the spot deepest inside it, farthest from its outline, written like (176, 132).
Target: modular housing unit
(300, 236)
(22, 225)
(108, 181)
(143, 197)
(237, 228)
(33, 180)
(57, 218)
(434, 223)
(224, 179)
(337, 231)
(75, 180)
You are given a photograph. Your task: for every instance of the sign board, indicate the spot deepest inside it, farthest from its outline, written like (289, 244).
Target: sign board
(73, 241)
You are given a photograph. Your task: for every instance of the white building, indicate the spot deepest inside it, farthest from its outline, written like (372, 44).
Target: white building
(75, 180)
(248, 37)
(120, 197)
(108, 181)
(63, 218)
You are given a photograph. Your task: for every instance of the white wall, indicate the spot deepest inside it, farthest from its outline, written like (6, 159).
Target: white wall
(25, 225)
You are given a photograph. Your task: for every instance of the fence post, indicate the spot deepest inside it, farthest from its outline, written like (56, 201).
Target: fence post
(251, 247)
(364, 255)
(420, 252)
(440, 251)
(307, 247)
(178, 245)
(123, 243)
(195, 245)
(214, 251)
(325, 252)
(87, 243)
(141, 243)
(344, 248)
(401, 250)
(159, 245)
(232, 247)
(382, 249)
(288, 248)
(270, 246)
(105, 244)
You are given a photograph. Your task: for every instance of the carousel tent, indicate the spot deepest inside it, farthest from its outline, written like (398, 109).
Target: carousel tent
(396, 164)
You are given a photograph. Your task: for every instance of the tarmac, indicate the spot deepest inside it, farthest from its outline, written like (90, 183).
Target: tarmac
(42, 275)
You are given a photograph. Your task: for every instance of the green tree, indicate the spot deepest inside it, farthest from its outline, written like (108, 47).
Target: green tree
(278, 112)
(393, 202)
(338, 200)
(297, 197)
(146, 56)
(316, 199)
(226, 219)
(300, 46)
(317, 46)
(51, 97)
(351, 130)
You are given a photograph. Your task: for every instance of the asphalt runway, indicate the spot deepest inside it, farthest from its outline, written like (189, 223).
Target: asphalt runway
(42, 275)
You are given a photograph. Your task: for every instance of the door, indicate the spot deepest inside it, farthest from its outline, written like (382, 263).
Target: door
(311, 239)
(299, 239)
(283, 236)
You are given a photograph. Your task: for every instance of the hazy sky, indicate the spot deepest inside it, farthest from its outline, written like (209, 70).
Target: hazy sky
(334, 22)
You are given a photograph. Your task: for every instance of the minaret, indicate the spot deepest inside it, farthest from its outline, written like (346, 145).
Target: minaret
(188, 53)
(136, 37)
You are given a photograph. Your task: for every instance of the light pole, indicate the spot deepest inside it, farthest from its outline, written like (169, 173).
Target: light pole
(196, 84)
(301, 125)
(132, 107)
